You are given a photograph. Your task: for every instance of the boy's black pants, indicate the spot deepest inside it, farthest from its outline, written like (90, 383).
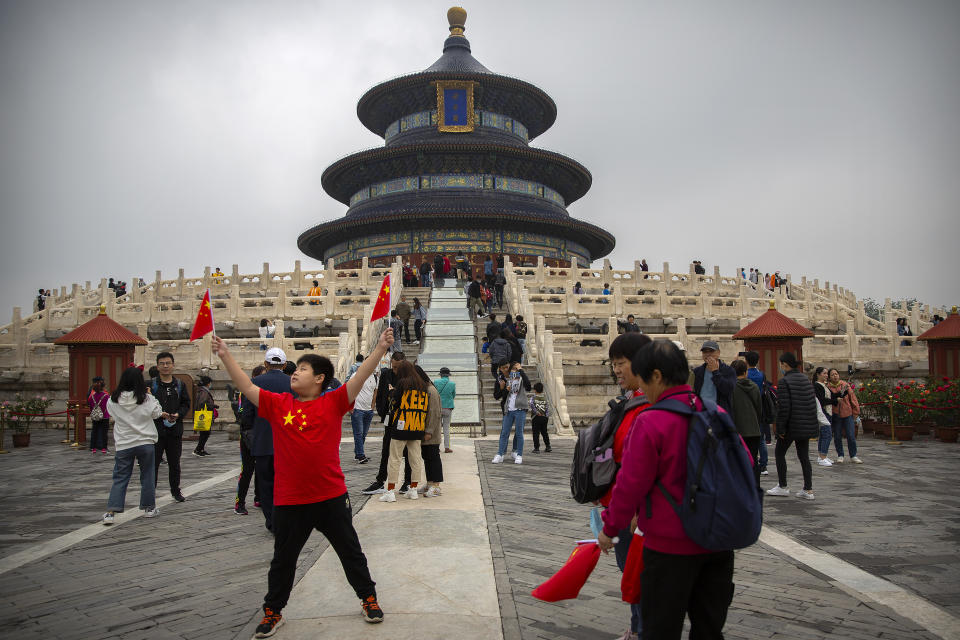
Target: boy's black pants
(674, 586)
(540, 429)
(292, 525)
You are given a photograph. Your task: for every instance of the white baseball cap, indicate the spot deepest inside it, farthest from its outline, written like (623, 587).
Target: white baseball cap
(275, 356)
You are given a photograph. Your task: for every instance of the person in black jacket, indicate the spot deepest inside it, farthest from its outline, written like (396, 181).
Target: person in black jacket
(718, 386)
(796, 424)
(475, 293)
(175, 401)
(516, 351)
(381, 404)
(275, 380)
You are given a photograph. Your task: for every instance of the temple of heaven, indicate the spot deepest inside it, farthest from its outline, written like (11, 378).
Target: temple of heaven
(456, 172)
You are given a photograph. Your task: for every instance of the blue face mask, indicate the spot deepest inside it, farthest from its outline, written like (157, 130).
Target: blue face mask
(168, 423)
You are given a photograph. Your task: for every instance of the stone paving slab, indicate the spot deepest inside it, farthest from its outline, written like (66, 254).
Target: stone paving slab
(533, 523)
(195, 571)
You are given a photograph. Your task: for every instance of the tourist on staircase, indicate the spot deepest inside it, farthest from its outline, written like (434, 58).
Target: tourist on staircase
(513, 389)
(419, 320)
(475, 295)
(438, 271)
(403, 313)
(409, 404)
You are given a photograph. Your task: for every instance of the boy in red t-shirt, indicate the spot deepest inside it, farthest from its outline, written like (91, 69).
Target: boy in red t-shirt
(309, 489)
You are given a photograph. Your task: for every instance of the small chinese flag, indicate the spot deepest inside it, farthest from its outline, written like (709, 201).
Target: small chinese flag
(382, 307)
(204, 322)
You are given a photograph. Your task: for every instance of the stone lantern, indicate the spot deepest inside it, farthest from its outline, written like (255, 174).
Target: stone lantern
(771, 335)
(100, 347)
(943, 346)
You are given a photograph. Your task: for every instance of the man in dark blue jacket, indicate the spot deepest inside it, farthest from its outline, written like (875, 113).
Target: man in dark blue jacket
(277, 381)
(718, 386)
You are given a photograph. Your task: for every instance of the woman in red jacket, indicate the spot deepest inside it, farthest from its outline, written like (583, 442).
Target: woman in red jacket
(679, 577)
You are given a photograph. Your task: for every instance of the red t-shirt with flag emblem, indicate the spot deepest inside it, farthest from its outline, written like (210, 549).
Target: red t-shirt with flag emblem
(306, 445)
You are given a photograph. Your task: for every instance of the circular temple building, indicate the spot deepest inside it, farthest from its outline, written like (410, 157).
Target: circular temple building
(456, 172)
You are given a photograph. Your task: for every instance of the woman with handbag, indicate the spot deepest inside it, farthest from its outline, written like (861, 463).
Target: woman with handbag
(204, 403)
(844, 416)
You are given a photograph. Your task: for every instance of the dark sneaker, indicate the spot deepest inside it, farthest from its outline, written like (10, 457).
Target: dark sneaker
(548, 450)
(241, 510)
(404, 487)
(371, 610)
(205, 453)
(363, 460)
(178, 497)
(536, 450)
(270, 623)
(198, 453)
(373, 489)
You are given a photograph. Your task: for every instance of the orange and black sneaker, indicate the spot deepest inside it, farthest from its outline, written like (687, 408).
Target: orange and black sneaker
(371, 610)
(270, 623)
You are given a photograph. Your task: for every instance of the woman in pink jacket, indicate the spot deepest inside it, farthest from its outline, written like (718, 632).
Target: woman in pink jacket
(679, 577)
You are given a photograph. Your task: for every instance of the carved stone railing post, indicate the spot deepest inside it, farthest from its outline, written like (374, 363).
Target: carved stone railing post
(540, 271)
(180, 283)
(666, 275)
(611, 330)
(365, 271)
(716, 280)
(607, 272)
(297, 277)
(233, 304)
(281, 305)
(570, 299)
(265, 278)
(618, 298)
(682, 332)
(207, 280)
(638, 273)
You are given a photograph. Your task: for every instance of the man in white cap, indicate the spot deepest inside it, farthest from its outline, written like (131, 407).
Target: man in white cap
(277, 381)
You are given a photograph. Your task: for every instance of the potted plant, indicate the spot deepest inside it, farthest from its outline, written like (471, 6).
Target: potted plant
(21, 412)
(944, 400)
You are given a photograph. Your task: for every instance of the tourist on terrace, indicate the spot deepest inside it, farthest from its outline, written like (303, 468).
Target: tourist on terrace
(310, 492)
(447, 389)
(267, 331)
(409, 406)
(513, 389)
(827, 403)
(204, 401)
(630, 326)
(759, 378)
(41, 301)
(276, 380)
(438, 272)
(844, 416)
(425, 273)
(578, 289)
(746, 414)
(796, 424)
(680, 578)
(315, 293)
(463, 267)
(430, 449)
(621, 353)
(134, 435)
(99, 415)
(714, 380)
(175, 401)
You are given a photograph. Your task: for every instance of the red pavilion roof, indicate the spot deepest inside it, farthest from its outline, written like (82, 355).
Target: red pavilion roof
(773, 324)
(947, 329)
(100, 330)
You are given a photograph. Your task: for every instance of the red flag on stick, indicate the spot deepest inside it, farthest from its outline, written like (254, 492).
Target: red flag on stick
(204, 322)
(382, 307)
(566, 583)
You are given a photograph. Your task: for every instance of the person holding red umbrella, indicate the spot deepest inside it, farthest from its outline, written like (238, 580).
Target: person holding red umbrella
(680, 578)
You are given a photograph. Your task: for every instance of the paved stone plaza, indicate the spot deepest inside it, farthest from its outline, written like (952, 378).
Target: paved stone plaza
(198, 570)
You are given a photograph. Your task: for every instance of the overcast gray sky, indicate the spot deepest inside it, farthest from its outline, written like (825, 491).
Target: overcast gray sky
(820, 138)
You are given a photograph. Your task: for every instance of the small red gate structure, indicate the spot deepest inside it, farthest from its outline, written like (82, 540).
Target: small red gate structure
(771, 335)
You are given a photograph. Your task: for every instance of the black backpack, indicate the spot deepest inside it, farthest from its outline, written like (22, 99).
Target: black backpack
(768, 403)
(593, 469)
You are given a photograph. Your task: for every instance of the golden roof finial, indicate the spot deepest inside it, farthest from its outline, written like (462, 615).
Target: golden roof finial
(773, 304)
(457, 17)
(954, 310)
(103, 310)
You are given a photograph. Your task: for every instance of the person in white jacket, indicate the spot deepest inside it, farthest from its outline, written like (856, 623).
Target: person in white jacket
(134, 434)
